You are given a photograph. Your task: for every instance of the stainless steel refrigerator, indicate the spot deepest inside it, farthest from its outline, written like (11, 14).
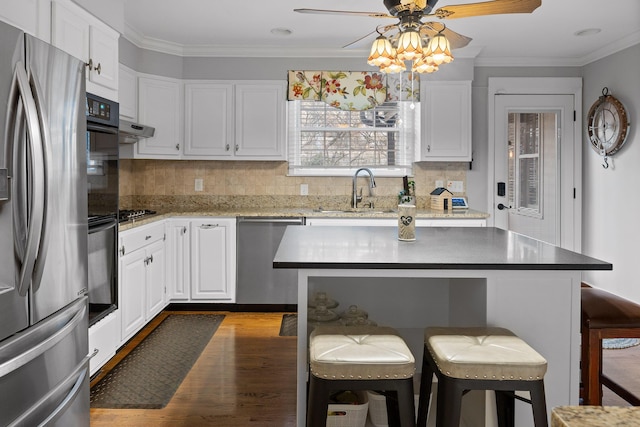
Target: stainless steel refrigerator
(43, 235)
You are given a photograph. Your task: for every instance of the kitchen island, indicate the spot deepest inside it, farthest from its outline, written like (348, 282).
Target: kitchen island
(448, 277)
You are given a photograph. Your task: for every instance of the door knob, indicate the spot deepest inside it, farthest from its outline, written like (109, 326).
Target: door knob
(501, 206)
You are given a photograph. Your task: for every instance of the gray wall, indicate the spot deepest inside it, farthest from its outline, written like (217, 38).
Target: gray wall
(610, 208)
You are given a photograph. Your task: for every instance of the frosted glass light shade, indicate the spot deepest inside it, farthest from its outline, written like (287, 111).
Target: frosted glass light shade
(396, 66)
(424, 65)
(439, 50)
(382, 53)
(409, 45)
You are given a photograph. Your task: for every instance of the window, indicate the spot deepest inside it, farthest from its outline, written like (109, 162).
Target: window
(327, 141)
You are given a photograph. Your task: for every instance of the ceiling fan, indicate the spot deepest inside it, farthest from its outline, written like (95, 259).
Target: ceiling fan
(404, 40)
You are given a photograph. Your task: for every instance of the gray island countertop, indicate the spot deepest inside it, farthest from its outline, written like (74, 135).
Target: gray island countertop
(448, 248)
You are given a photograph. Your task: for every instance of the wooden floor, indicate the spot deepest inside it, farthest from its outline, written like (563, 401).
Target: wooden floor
(246, 376)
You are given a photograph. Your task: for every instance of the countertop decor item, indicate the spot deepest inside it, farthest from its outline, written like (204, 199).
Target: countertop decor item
(406, 222)
(607, 125)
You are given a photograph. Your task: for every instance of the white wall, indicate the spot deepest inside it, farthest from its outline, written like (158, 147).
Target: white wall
(611, 226)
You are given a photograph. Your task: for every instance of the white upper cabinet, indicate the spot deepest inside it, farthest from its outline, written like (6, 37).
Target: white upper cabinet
(260, 120)
(128, 93)
(208, 119)
(87, 38)
(31, 16)
(446, 121)
(235, 120)
(160, 105)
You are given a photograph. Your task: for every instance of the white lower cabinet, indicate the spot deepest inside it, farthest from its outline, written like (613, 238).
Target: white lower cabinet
(179, 257)
(142, 276)
(213, 260)
(104, 340)
(202, 259)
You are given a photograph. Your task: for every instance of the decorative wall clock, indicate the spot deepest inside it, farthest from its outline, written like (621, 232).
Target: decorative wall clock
(607, 125)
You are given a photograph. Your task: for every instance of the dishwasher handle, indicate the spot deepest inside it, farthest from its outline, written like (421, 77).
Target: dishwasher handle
(290, 221)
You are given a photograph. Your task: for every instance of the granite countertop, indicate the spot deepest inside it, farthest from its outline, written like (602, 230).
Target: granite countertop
(306, 212)
(449, 248)
(595, 416)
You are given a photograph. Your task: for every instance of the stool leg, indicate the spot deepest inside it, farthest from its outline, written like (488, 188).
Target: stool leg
(584, 364)
(406, 404)
(505, 403)
(539, 404)
(425, 389)
(318, 403)
(393, 410)
(593, 388)
(449, 402)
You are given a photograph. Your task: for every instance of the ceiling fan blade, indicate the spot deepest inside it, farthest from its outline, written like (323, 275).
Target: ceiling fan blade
(344, 12)
(456, 40)
(495, 7)
(358, 40)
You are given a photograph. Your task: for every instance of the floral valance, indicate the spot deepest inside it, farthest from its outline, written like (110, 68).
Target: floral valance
(353, 90)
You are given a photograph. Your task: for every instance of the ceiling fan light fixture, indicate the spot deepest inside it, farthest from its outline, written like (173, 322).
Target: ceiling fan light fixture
(395, 66)
(409, 45)
(424, 65)
(439, 50)
(382, 53)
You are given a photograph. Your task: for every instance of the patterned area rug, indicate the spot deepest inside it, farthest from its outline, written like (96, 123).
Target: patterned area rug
(148, 377)
(289, 325)
(619, 343)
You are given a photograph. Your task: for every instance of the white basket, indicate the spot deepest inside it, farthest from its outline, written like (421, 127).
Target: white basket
(348, 415)
(378, 409)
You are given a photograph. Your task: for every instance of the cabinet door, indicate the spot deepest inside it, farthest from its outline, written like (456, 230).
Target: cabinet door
(178, 271)
(31, 16)
(446, 121)
(160, 106)
(155, 280)
(209, 120)
(132, 292)
(213, 272)
(260, 120)
(128, 93)
(70, 32)
(103, 50)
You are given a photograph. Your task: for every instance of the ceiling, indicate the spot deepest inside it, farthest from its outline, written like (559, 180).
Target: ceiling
(243, 28)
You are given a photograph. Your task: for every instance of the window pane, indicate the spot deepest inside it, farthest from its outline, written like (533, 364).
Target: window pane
(524, 161)
(529, 184)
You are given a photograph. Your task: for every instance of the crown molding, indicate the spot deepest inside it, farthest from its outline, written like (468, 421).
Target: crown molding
(177, 49)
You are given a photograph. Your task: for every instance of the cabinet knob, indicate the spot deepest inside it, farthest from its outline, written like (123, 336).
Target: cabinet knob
(178, 147)
(206, 226)
(122, 250)
(237, 147)
(428, 148)
(147, 237)
(99, 68)
(226, 147)
(89, 64)
(184, 230)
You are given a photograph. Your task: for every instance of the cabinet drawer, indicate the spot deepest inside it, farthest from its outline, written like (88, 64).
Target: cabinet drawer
(132, 240)
(104, 337)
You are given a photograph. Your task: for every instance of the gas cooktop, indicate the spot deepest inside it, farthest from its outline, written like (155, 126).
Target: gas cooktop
(133, 214)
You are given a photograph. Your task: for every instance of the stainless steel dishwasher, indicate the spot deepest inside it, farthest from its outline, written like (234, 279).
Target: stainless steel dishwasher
(257, 281)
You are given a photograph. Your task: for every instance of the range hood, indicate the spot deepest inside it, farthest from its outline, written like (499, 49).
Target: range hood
(130, 132)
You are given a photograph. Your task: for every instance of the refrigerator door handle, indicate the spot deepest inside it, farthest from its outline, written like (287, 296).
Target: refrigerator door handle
(77, 377)
(13, 362)
(36, 278)
(20, 91)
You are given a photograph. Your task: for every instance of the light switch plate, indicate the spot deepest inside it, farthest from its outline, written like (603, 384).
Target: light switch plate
(304, 189)
(199, 184)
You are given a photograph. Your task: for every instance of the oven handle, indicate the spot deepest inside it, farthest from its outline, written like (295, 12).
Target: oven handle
(103, 227)
(92, 127)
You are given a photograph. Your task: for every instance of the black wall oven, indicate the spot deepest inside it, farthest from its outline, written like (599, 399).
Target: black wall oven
(103, 193)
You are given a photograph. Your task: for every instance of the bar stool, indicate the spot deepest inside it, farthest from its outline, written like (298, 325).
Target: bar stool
(360, 358)
(480, 358)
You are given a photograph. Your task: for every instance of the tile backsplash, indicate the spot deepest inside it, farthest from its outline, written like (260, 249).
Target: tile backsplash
(170, 184)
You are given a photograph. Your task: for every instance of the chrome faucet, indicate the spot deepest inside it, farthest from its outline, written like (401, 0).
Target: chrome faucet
(372, 184)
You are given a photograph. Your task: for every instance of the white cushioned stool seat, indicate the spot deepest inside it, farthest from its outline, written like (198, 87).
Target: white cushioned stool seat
(359, 352)
(360, 358)
(484, 353)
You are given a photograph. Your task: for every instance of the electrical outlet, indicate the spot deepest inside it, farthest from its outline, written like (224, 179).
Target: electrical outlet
(304, 189)
(455, 186)
(199, 184)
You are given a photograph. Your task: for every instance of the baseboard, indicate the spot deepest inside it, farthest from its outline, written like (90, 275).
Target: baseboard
(209, 306)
